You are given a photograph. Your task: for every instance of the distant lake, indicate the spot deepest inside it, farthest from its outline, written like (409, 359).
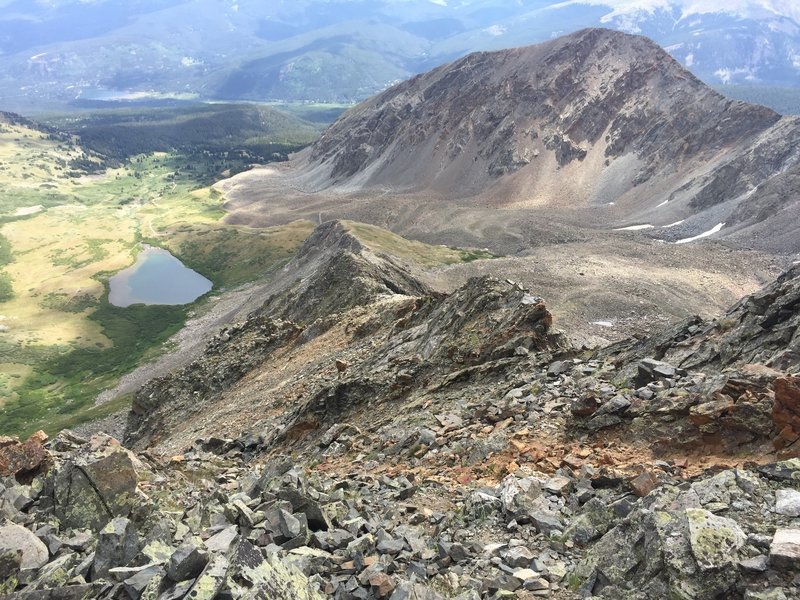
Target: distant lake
(156, 278)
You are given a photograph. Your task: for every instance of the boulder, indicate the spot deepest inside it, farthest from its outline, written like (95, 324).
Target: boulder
(222, 541)
(643, 484)
(274, 579)
(655, 554)
(593, 522)
(89, 496)
(24, 460)
(16, 539)
(117, 546)
(715, 541)
(187, 562)
(787, 502)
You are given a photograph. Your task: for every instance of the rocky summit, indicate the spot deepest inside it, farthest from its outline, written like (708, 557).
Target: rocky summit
(362, 436)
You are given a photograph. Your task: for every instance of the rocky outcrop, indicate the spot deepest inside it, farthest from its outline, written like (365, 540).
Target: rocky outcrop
(333, 272)
(486, 326)
(499, 110)
(412, 340)
(229, 356)
(433, 446)
(725, 384)
(212, 525)
(167, 546)
(23, 460)
(674, 546)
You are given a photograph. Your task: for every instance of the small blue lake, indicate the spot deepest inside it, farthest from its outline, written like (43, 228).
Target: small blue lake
(156, 278)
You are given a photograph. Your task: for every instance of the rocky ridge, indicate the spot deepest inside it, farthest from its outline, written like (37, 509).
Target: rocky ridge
(362, 437)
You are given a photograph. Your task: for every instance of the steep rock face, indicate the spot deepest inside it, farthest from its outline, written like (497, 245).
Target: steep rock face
(333, 272)
(762, 328)
(481, 329)
(728, 385)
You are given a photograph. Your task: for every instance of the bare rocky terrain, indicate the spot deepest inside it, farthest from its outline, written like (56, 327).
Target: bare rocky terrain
(559, 411)
(361, 435)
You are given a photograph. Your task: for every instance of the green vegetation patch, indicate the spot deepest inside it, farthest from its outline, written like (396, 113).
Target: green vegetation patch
(426, 255)
(66, 383)
(6, 288)
(71, 215)
(231, 256)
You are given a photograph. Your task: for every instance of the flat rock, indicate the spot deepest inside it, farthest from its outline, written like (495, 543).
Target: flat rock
(558, 484)
(784, 552)
(89, 496)
(222, 540)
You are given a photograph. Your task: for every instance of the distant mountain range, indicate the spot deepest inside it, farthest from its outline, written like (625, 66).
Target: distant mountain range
(56, 51)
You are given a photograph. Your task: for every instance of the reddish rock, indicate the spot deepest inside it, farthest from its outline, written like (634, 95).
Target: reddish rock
(382, 585)
(24, 460)
(786, 410)
(8, 440)
(644, 484)
(708, 412)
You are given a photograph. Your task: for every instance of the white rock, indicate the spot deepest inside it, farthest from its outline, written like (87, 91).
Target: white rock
(34, 552)
(525, 574)
(787, 502)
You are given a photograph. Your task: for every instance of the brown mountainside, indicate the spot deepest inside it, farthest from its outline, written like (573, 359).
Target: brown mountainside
(596, 118)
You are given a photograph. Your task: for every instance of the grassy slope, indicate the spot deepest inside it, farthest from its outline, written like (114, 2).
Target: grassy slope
(62, 236)
(383, 241)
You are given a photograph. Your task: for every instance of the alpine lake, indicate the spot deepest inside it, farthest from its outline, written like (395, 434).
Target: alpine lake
(156, 278)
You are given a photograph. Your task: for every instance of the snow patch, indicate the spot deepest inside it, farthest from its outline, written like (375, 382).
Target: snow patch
(24, 211)
(635, 227)
(705, 234)
(676, 223)
(603, 323)
(631, 10)
(495, 30)
(726, 74)
(188, 61)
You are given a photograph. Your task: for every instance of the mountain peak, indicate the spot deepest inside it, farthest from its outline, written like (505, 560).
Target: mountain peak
(595, 96)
